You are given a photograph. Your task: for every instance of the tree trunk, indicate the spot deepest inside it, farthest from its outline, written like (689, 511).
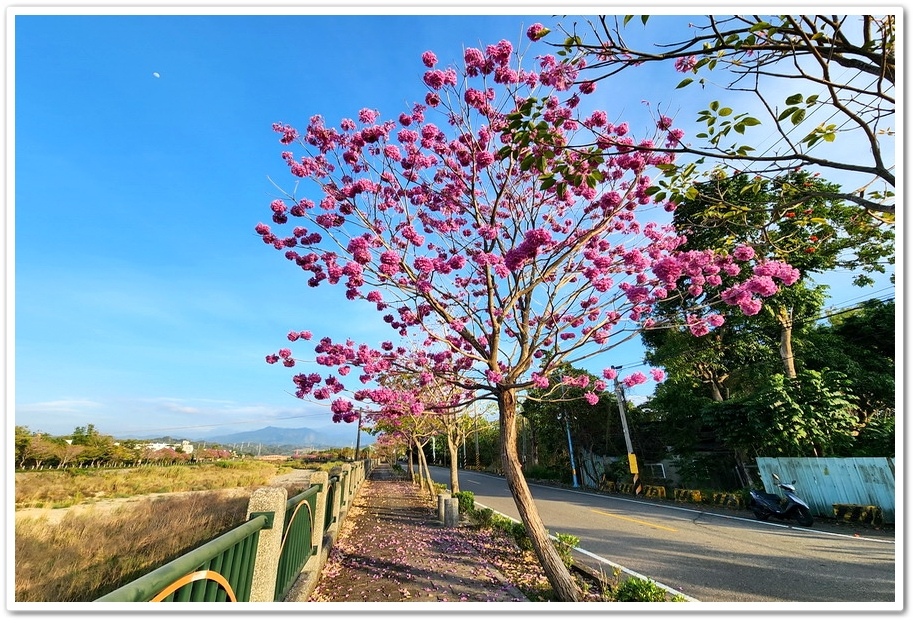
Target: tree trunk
(410, 451)
(708, 375)
(716, 394)
(784, 315)
(554, 568)
(741, 464)
(453, 464)
(426, 480)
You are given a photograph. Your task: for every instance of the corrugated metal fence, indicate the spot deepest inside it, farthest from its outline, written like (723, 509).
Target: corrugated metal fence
(823, 482)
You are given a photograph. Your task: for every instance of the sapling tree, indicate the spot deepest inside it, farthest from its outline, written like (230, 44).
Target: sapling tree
(470, 226)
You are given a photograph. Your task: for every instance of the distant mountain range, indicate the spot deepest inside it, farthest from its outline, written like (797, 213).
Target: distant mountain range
(325, 437)
(277, 438)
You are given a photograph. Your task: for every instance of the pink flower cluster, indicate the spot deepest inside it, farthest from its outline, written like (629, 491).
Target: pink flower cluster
(535, 239)
(537, 31)
(559, 75)
(634, 379)
(685, 64)
(747, 295)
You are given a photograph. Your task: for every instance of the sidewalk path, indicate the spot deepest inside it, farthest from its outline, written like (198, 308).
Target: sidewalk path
(391, 547)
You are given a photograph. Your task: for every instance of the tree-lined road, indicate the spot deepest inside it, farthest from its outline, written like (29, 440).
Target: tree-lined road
(711, 555)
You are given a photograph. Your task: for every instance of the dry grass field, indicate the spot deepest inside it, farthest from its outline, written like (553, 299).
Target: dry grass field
(80, 535)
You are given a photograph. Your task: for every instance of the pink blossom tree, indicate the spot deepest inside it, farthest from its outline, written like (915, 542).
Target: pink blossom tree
(474, 226)
(389, 446)
(402, 411)
(437, 402)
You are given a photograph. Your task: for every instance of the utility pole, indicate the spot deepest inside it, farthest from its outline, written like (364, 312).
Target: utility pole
(572, 456)
(476, 437)
(631, 457)
(359, 427)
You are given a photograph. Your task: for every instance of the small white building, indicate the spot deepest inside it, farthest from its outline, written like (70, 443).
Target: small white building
(185, 447)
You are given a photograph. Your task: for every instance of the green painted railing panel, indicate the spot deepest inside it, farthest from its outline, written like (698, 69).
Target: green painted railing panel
(230, 556)
(329, 514)
(298, 522)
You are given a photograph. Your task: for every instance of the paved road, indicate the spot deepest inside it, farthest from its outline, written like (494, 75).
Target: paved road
(713, 555)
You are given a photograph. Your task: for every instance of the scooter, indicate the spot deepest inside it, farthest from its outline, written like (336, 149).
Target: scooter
(786, 506)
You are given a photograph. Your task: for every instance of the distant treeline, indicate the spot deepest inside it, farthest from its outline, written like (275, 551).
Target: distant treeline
(86, 447)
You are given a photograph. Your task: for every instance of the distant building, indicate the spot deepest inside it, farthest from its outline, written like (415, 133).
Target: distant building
(184, 447)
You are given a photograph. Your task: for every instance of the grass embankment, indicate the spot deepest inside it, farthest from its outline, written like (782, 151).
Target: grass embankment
(84, 555)
(60, 489)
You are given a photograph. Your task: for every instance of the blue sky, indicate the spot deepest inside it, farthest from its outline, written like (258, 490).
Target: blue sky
(144, 301)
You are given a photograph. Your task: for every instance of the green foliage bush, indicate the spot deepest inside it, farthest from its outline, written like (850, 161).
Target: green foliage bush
(518, 532)
(465, 501)
(618, 471)
(77, 471)
(564, 545)
(636, 589)
(483, 516)
(544, 472)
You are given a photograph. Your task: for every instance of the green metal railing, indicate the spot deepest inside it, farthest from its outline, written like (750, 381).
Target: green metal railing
(329, 514)
(218, 571)
(222, 569)
(297, 544)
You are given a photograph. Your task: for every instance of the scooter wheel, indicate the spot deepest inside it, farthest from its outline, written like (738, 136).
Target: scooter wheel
(804, 517)
(759, 513)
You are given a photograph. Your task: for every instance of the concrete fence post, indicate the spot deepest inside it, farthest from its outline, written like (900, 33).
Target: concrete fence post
(442, 498)
(451, 512)
(358, 472)
(267, 556)
(318, 477)
(346, 491)
(335, 503)
(322, 539)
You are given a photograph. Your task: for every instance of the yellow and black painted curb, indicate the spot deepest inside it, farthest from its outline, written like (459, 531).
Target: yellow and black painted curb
(688, 495)
(855, 513)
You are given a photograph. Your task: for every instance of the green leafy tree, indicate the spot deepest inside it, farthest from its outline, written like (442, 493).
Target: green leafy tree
(84, 434)
(22, 437)
(548, 411)
(67, 452)
(810, 415)
(745, 359)
(96, 448)
(861, 344)
(794, 218)
(838, 74)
